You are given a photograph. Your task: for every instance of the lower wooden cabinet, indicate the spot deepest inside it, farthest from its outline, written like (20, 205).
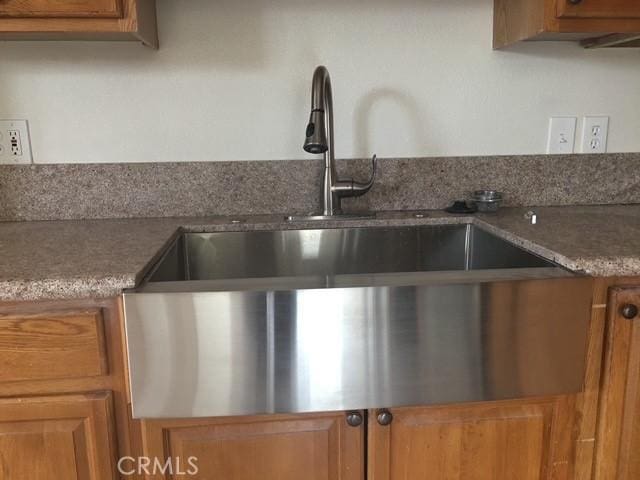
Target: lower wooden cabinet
(517, 440)
(52, 345)
(513, 440)
(63, 398)
(68, 437)
(618, 444)
(275, 447)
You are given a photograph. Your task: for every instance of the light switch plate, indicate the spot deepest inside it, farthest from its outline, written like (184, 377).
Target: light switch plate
(15, 144)
(562, 135)
(595, 134)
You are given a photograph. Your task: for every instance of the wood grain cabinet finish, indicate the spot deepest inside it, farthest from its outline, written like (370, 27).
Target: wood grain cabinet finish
(273, 447)
(52, 345)
(533, 439)
(598, 9)
(61, 8)
(618, 442)
(63, 400)
(523, 440)
(594, 22)
(66, 437)
(133, 20)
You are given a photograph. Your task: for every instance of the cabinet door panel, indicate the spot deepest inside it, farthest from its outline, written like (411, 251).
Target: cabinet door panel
(618, 444)
(529, 440)
(275, 447)
(50, 438)
(599, 9)
(61, 8)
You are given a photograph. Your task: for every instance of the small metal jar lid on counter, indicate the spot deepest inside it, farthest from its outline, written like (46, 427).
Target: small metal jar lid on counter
(487, 200)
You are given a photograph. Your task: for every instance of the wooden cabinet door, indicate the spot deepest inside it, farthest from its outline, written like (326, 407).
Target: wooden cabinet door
(618, 442)
(515, 440)
(599, 9)
(274, 447)
(61, 8)
(68, 437)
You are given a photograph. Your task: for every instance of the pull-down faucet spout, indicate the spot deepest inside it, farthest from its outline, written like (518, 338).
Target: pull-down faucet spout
(320, 139)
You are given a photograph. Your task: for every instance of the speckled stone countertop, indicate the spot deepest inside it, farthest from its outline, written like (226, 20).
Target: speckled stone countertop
(75, 259)
(100, 258)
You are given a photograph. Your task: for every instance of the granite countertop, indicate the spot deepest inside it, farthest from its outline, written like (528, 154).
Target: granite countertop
(100, 258)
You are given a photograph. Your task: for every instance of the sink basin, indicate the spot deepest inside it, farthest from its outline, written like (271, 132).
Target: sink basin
(335, 256)
(243, 323)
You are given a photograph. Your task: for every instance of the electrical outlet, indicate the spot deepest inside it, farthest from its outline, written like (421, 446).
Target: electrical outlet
(562, 135)
(15, 144)
(595, 133)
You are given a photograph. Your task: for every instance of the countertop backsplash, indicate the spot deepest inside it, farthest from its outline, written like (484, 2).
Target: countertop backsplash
(133, 190)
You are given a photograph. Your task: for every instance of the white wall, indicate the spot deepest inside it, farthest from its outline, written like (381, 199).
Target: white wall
(231, 82)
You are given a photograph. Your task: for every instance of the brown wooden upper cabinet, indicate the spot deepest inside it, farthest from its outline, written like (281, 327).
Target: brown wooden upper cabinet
(61, 8)
(596, 23)
(79, 20)
(598, 9)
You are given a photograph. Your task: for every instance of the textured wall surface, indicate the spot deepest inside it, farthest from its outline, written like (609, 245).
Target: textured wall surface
(49, 192)
(412, 78)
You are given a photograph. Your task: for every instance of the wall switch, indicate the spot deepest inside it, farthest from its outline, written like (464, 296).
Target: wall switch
(562, 135)
(594, 134)
(15, 144)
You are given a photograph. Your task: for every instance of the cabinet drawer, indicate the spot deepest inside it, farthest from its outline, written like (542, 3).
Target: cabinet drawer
(61, 8)
(67, 344)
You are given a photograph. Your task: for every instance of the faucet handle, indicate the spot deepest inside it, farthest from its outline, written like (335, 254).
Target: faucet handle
(351, 188)
(362, 188)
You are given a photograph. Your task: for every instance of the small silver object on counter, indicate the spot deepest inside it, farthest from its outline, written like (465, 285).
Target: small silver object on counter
(487, 200)
(531, 216)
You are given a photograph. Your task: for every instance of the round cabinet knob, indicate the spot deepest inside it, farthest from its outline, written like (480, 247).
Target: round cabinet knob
(629, 311)
(385, 417)
(354, 419)
(575, 2)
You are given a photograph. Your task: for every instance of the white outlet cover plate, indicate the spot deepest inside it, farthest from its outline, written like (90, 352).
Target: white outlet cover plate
(595, 134)
(562, 135)
(7, 157)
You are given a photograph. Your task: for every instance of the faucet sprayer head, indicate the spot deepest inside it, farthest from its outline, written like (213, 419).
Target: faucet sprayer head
(316, 135)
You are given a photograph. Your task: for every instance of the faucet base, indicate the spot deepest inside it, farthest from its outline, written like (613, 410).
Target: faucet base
(319, 218)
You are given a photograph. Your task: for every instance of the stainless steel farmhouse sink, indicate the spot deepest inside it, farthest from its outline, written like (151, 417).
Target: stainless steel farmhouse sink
(235, 323)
